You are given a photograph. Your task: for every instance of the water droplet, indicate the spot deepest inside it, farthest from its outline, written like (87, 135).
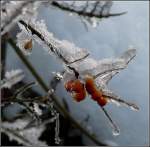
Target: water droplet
(70, 14)
(116, 131)
(94, 22)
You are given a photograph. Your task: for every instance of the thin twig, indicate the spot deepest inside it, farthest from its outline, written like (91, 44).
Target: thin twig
(116, 130)
(23, 89)
(131, 105)
(107, 71)
(3, 55)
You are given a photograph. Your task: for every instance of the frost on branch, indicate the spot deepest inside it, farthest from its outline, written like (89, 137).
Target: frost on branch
(103, 69)
(12, 77)
(64, 50)
(25, 137)
(12, 11)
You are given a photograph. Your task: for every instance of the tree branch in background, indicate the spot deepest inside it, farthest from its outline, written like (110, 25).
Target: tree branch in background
(97, 10)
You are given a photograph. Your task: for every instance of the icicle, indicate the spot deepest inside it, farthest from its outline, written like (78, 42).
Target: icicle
(115, 129)
(94, 22)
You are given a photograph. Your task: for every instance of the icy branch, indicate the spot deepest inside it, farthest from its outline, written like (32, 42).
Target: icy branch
(64, 50)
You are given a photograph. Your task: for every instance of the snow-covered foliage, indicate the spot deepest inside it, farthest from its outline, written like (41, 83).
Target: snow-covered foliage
(12, 11)
(25, 137)
(12, 77)
(64, 50)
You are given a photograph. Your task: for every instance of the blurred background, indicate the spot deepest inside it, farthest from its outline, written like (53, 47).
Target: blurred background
(109, 39)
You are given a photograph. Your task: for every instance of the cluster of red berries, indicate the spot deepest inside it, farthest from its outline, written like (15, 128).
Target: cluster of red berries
(79, 90)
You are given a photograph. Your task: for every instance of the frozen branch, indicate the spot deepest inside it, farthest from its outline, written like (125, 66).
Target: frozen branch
(64, 50)
(118, 100)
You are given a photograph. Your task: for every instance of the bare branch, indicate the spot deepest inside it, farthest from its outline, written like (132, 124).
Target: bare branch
(83, 12)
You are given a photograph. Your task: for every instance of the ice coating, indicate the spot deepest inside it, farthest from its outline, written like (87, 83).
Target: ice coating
(118, 65)
(104, 69)
(64, 50)
(12, 11)
(118, 100)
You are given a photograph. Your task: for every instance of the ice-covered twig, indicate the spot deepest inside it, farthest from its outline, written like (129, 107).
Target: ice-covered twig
(119, 64)
(116, 130)
(117, 99)
(64, 50)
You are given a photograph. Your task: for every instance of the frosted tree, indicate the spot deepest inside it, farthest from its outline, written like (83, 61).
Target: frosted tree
(79, 68)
